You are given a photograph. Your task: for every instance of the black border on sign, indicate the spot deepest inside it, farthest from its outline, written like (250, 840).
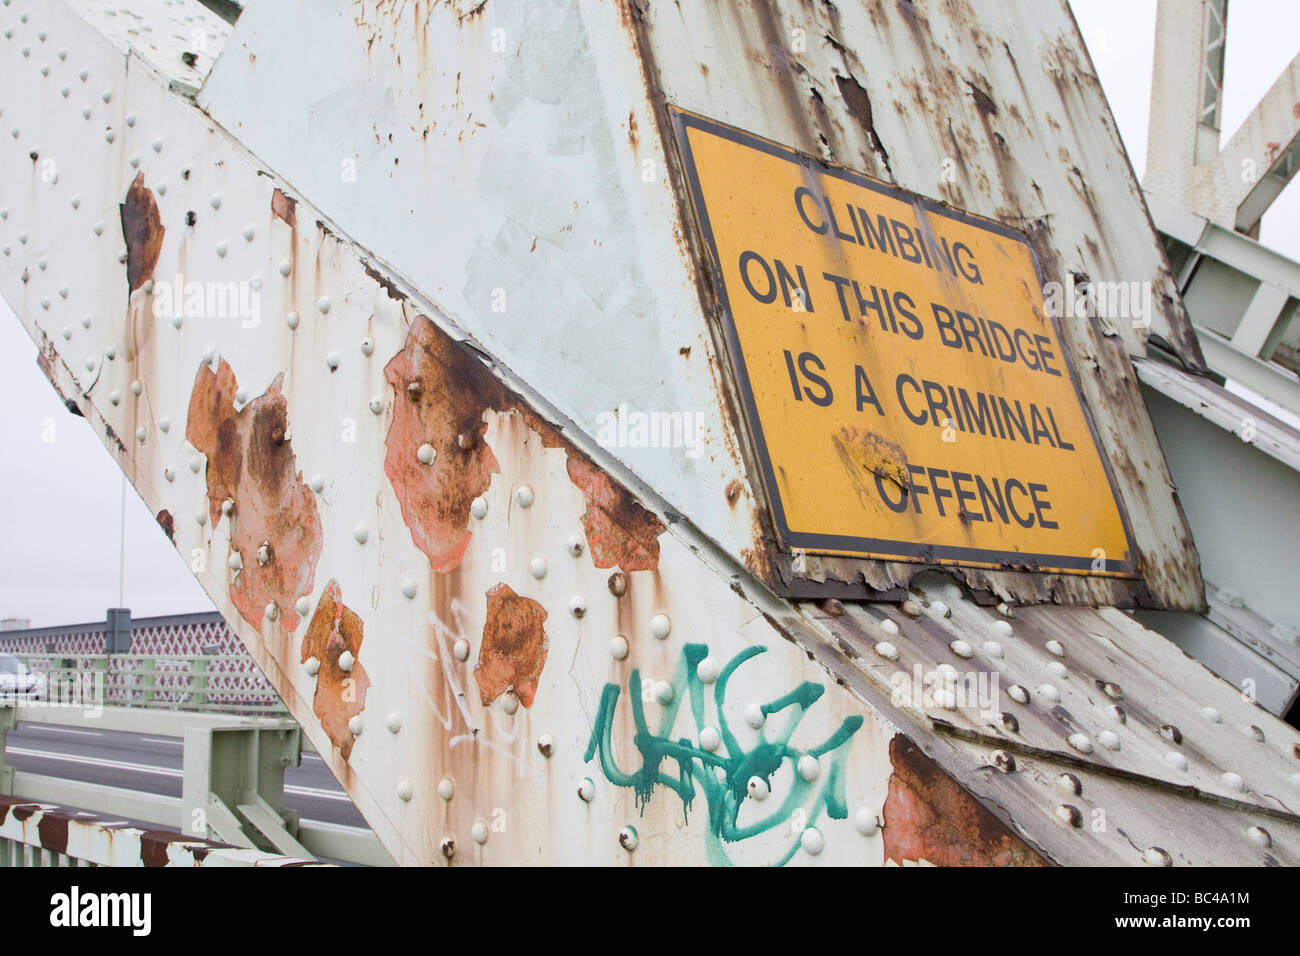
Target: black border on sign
(879, 549)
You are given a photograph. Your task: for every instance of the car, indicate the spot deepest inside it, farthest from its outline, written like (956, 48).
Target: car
(18, 682)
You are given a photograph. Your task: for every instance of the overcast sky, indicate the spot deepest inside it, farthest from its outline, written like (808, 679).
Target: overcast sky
(61, 498)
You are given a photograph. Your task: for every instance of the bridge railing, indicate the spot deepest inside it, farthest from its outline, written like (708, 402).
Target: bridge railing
(221, 683)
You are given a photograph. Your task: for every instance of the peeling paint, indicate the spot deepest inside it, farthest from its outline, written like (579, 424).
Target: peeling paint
(514, 646)
(284, 208)
(340, 694)
(928, 816)
(251, 461)
(168, 525)
(143, 230)
(619, 531)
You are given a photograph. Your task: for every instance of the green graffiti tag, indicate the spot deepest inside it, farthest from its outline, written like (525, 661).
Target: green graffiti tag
(724, 773)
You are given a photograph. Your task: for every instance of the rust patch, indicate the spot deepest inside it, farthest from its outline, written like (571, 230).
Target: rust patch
(864, 452)
(168, 525)
(440, 400)
(154, 843)
(386, 284)
(513, 651)
(631, 129)
(442, 393)
(340, 694)
(928, 816)
(732, 491)
(275, 525)
(284, 208)
(143, 230)
(53, 830)
(859, 105)
(619, 531)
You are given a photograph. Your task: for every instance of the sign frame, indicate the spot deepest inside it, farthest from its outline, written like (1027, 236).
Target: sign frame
(862, 547)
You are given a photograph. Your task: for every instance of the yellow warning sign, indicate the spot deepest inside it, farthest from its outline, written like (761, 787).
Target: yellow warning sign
(909, 395)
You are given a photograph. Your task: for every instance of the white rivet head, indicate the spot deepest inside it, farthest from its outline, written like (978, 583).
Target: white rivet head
(708, 670)
(169, 473)
(303, 606)
(710, 739)
(754, 716)
(264, 554)
(618, 648)
(1212, 715)
(248, 233)
(156, 146)
(141, 433)
(758, 789)
(524, 496)
(889, 626)
(1001, 628)
(323, 304)
(812, 841)
(222, 248)
(408, 588)
(1259, 836)
(1049, 693)
(509, 702)
(114, 397)
(461, 650)
(664, 692)
(661, 626)
(201, 515)
(312, 666)
(538, 567)
(1253, 732)
(1080, 742)
(941, 609)
(546, 745)
(809, 767)
(1057, 669)
(577, 605)
(866, 822)
(1055, 647)
(272, 612)
(362, 533)
(405, 791)
(478, 507)
(291, 320)
(992, 648)
(285, 267)
(241, 396)
(355, 725)
(961, 648)
(628, 839)
(317, 483)
(574, 545)
(394, 723)
(332, 361)
(887, 650)
(106, 95)
(446, 789)
(347, 660)
(587, 790)
(85, 321)
(1233, 781)
(479, 832)
(215, 200)
(164, 424)
(1176, 760)
(1109, 739)
(367, 346)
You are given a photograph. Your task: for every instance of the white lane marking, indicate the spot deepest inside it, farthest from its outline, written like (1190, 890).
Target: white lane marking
(170, 742)
(62, 730)
(164, 771)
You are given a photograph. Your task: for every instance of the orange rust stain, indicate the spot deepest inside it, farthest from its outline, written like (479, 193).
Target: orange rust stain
(442, 394)
(166, 522)
(928, 816)
(340, 694)
(251, 461)
(284, 208)
(619, 531)
(143, 231)
(513, 651)
(441, 398)
(733, 490)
